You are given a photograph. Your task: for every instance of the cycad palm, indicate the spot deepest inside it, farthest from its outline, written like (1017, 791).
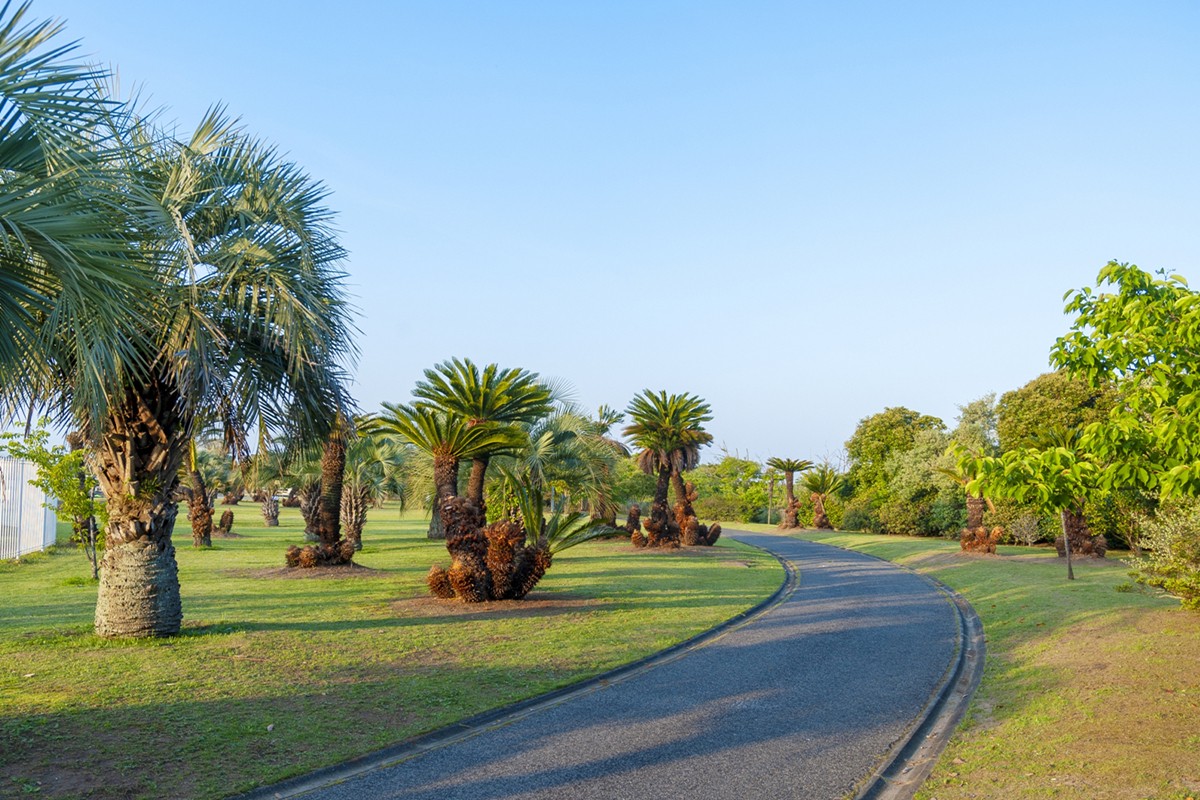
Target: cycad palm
(821, 482)
(789, 467)
(447, 439)
(669, 430)
(481, 397)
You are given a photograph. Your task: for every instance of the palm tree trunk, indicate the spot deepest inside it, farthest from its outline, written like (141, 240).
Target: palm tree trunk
(142, 447)
(270, 511)
(791, 512)
(310, 501)
(354, 513)
(200, 511)
(681, 493)
(445, 481)
(820, 520)
(333, 468)
(479, 467)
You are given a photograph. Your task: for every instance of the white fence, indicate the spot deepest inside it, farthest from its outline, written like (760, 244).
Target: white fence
(26, 525)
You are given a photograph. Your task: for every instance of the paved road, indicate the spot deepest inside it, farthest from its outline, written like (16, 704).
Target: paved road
(803, 702)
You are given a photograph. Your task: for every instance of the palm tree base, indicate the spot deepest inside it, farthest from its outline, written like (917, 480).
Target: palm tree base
(139, 592)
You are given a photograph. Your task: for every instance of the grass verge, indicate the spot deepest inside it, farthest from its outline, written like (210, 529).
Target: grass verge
(1088, 692)
(277, 672)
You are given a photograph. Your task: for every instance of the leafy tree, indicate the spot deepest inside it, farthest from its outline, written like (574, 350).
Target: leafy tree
(63, 477)
(977, 428)
(878, 438)
(920, 499)
(1055, 400)
(789, 467)
(669, 431)
(731, 489)
(374, 468)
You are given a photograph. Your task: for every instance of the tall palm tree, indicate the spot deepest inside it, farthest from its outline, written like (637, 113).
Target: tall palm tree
(247, 314)
(789, 467)
(821, 482)
(669, 430)
(485, 396)
(448, 439)
(66, 294)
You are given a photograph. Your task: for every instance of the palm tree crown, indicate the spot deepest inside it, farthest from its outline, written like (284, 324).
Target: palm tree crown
(460, 387)
(669, 429)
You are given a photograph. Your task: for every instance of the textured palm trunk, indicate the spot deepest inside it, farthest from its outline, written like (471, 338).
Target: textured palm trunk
(445, 481)
(681, 493)
(141, 449)
(270, 511)
(333, 469)
(200, 511)
(820, 520)
(791, 513)
(975, 508)
(355, 501)
(475, 483)
(310, 501)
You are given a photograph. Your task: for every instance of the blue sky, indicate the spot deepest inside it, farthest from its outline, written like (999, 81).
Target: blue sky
(801, 212)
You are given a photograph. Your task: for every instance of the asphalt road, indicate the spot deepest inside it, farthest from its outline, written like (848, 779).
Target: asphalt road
(803, 701)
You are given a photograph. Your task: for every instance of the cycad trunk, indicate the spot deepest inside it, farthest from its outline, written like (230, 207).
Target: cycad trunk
(333, 468)
(681, 494)
(355, 501)
(445, 481)
(791, 513)
(475, 483)
(270, 511)
(200, 510)
(820, 520)
(310, 501)
(661, 529)
(140, 452)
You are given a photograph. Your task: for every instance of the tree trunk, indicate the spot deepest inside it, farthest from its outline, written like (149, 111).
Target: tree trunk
(333, 468)
(200, 511)
(820, 520)
(142, 446)
(975, 507)
(1067, 545)
(445, 481)
(310, 501)
(270, 511)
(354, 513)
(475, 484)
(681, 493)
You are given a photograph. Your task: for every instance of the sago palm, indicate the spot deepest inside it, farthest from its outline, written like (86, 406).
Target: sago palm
(789, 467)
(669, 430)
(821, 482)
(374, 462)
(490, 395)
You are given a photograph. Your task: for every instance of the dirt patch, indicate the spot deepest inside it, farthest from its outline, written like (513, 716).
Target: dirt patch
(292, 573)
(536, 604)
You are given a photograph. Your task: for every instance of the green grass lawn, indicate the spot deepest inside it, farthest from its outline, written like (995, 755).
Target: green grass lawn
(278, 672)
(1087, 692)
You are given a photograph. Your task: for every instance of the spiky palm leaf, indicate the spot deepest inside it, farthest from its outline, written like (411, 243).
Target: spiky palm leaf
(669, 429)
(823, 480)
(491, 394)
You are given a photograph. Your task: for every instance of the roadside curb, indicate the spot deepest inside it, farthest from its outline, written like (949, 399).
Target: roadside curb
(505, 715)
(911, 759)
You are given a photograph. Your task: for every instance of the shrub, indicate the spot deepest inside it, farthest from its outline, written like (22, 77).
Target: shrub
(1171, 552)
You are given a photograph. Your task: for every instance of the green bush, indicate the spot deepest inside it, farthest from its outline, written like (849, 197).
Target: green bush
(1170, 560)
(860, 514)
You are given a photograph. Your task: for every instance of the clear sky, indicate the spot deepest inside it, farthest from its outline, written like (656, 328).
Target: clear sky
(802, 212)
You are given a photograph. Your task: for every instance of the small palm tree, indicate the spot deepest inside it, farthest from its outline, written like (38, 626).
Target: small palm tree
(447, 439)
(374, 463)
(669, 430)
(485, 396)
(789, 467)
(821, 482)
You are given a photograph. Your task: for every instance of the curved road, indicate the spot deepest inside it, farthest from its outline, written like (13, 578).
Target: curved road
(802, 701)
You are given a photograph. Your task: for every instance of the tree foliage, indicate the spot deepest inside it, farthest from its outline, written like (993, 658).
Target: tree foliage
(878, 438)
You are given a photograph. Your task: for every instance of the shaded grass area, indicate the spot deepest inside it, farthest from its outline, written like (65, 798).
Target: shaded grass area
(1087, 692)
(276, 675)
